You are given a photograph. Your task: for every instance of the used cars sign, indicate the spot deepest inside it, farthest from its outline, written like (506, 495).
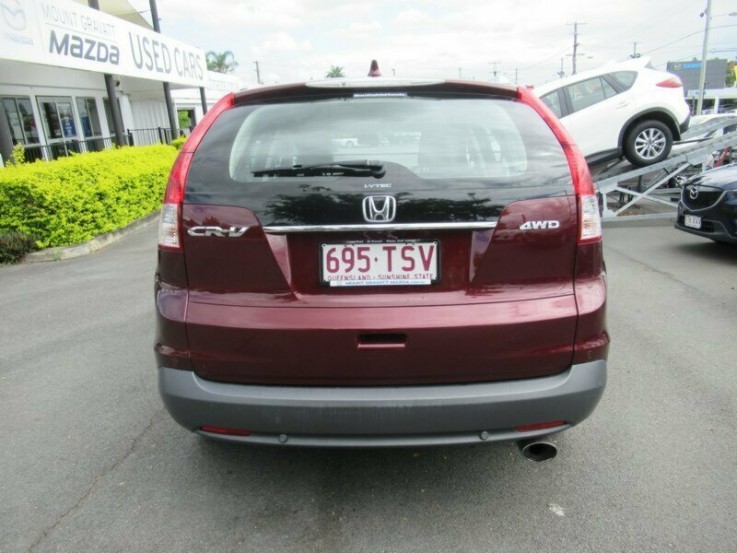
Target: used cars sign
(64, 33)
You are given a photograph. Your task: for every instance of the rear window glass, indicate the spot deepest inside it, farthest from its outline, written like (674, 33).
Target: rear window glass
(552, 100)
(590, 92)
(491, 140)
(625, 78)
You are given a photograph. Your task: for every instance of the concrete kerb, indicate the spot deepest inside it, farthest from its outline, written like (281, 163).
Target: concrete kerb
(104, 240)
(96, 244)
(651, 220)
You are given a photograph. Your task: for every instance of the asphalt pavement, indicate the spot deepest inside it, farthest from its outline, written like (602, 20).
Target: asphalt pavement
(92, 462)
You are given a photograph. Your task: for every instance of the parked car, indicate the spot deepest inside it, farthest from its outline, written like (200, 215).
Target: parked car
(626, 109)
(708, 205)
(450, 292)
(702, 129)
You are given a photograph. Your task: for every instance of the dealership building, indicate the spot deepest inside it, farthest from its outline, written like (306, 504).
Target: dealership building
(718, 98)
(76, 79)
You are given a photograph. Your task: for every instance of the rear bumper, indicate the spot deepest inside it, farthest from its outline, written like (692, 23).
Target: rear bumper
(383, 416)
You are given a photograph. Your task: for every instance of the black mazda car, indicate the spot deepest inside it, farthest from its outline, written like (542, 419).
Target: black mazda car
(708, 205)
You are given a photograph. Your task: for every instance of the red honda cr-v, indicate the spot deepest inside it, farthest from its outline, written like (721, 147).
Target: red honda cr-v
(381, 262)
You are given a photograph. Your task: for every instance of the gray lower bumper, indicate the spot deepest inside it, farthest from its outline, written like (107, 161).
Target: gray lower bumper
(383, 416)
(720, 233)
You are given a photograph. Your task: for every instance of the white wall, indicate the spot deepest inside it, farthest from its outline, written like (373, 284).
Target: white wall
(141, 103)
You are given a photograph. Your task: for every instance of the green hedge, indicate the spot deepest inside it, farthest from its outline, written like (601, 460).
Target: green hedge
(72, 200)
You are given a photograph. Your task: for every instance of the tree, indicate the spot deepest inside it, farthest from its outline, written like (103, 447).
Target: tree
(335, 72)
(222, 62)
(184, 121)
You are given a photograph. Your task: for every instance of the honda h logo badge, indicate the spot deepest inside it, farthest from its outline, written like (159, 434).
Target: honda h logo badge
(379, 209)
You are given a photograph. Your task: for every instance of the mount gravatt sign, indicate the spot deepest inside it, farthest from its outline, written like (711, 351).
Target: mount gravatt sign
(66, 34)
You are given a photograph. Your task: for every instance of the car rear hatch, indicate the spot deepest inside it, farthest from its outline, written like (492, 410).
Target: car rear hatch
(376, 236)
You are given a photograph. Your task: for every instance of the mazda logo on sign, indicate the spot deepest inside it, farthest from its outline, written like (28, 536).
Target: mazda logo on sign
(379, 209)
(693, 192)
(13, 14)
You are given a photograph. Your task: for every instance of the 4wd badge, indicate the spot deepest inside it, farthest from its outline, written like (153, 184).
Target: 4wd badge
(540, 225)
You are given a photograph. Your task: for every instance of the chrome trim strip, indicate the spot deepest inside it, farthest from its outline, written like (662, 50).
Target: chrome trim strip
(485, 225)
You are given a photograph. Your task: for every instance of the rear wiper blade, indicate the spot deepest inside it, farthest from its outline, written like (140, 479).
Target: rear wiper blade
(346, 168)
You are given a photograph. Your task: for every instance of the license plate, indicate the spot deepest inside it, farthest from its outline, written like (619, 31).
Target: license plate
(379, 264)
(692, 221)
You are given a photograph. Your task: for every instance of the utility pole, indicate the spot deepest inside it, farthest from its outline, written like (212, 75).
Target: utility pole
(258, 73)
(634, 54)
(516, 74)
(576, 44)
(561, 73)
(702, 74)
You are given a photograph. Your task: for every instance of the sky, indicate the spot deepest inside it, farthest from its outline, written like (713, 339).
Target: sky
(516, 41)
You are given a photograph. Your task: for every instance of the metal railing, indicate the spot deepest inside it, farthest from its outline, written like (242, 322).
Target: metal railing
(145, 137)
(623, 189)
(63, 148)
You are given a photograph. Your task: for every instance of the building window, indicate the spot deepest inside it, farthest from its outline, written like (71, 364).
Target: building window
(89, 118)
(57, 115)
(22, 123)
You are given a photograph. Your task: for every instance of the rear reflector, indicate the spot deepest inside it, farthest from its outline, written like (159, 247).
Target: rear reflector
(227, 431)
(540, 426)
(673, 82)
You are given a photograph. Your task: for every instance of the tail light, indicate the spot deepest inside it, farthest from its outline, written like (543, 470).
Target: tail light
(671, 82)
(169, 228)
(589, 219)
(169, 223)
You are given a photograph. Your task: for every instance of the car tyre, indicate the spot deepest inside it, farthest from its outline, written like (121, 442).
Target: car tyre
(647, 143)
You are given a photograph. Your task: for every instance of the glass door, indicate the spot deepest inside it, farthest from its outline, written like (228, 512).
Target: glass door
(22, 123)
(89, 118)
(61, 130)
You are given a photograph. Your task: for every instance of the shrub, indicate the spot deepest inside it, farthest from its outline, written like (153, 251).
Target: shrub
(14, 245)
(18, 156)
(179, 142)
(71, 200)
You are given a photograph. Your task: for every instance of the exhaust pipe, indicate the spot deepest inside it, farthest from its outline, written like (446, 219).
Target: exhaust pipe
(538, 449)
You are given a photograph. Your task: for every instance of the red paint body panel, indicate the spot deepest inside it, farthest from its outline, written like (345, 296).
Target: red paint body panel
(515, 302)
(504, 308)
(319, 346)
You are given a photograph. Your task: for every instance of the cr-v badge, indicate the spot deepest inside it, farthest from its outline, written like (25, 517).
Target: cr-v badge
(232, 232)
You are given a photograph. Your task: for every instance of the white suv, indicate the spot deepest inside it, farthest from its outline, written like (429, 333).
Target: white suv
(625, 109)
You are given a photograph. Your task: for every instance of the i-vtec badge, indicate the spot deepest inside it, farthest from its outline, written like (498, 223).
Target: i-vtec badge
(540, 225)
(377, 185)
(232, 232)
